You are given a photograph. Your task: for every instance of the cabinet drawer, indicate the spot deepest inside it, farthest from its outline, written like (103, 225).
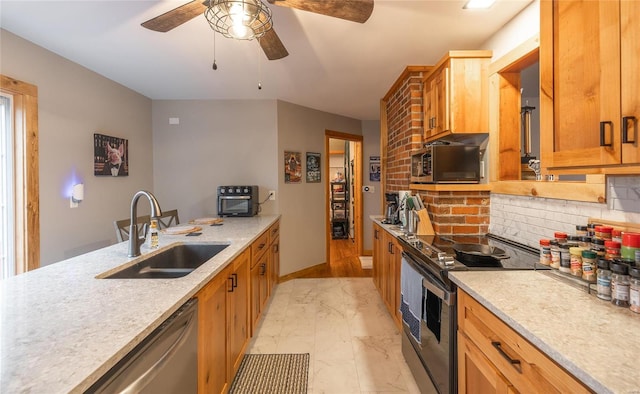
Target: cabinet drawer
(274, 231)
(521, 363)
(258, 247)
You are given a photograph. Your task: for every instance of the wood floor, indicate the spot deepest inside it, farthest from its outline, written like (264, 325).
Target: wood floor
(344, 262)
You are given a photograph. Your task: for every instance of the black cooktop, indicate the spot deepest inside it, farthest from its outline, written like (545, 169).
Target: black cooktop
(452, 253)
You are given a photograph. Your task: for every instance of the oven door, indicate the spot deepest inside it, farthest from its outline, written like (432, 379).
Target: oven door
(234, 206)
(435, 342)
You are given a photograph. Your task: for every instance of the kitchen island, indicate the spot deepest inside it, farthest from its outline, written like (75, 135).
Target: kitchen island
(61, 328)
(595, 341)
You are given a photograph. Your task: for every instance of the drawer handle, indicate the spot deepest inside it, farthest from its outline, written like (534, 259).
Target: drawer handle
(504, 354)
(261, 246)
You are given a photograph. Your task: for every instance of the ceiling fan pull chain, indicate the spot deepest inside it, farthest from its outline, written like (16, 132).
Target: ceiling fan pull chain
(259, 68)
(215, 66)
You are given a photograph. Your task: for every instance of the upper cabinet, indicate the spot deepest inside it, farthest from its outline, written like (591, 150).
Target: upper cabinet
(455, 95)
(589, 66)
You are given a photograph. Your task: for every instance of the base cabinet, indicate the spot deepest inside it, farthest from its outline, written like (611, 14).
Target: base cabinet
(493, 358)
(387, 256)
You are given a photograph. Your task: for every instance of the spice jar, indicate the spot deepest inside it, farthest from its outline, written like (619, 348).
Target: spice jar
(611, 250)
(576, 260)
(589, 265)
(573, 239)
(604, 280)
(581, 230)
(597, 245)
(616, 235)
(555, 254)
(603, 232)
(591, 229)
(619, 284)
(565, 258)
(560, 237)
(634, 289)
(584, 242)
(630, 244)
(545, 252)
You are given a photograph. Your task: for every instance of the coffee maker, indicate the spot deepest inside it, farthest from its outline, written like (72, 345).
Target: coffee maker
(391, 210)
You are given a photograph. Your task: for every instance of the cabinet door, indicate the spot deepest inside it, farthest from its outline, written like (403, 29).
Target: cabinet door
(274, 270)
(583, 71)
(429, 107)
(476, 374)
(238, 310)
(630, 65)
(212, 338)
(255, 297)
(377, 256)
(394, 297)
(440, 97)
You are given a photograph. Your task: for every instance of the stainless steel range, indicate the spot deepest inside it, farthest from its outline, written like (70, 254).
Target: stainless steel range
(428, 303)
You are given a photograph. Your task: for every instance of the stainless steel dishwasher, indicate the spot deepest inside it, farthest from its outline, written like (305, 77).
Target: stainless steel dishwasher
(164, 362)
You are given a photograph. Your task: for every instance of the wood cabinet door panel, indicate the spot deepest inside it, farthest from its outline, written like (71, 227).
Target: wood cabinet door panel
(476, 374)
(586, 83)
(630, 69)
(238, 316)
(212, 339)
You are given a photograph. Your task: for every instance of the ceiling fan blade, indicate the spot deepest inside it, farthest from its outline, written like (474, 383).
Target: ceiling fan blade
(351, 10)
(272, 46)
(177, 16)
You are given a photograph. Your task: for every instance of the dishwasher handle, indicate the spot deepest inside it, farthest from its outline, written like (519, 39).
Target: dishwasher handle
(143, 380)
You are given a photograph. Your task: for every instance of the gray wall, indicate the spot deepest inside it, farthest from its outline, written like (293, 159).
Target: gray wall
(371, 202)
(302, 205)
(218, 142)
(73, 104)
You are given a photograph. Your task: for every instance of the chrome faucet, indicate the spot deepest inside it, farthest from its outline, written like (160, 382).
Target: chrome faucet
(134, 240)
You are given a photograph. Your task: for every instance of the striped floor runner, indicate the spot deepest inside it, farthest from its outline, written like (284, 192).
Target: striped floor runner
(272, 373)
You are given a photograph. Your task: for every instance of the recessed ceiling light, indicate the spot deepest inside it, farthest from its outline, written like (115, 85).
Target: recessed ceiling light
(478, 4)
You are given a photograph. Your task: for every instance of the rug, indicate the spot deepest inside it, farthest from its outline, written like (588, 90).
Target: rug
(366, 262)
(272, 373)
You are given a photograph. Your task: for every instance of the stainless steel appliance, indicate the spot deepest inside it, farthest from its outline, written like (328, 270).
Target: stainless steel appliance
(442, 163)
(164, 362)
(428, 302)
(238, 200)
(392, 208)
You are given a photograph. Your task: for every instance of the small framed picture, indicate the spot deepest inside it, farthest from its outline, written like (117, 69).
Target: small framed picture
(292, 167)
(374, 168)
(313, 167)
(110, 155)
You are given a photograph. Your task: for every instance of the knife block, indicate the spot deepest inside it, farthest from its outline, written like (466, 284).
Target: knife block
(424, 225)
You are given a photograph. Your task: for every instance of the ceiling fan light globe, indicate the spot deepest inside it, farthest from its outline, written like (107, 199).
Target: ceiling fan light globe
(239, 19)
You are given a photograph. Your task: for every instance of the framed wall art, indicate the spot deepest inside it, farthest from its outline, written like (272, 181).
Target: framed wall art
(110, 156)
(292, 167)
(374, 168)
(313, 167)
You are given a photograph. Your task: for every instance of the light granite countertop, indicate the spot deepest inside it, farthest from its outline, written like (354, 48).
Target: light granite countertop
(61, 328)
(594, 340)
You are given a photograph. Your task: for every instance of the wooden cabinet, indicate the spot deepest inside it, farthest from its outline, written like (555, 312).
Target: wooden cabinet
(223, 326)
(455, 95)
(212, 335)
(238, 327)
(589, 109)
(265, 270)
(492, 357)
(274, 249)
(387, 255)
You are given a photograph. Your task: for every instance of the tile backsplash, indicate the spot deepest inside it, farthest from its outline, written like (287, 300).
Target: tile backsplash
(527, 219)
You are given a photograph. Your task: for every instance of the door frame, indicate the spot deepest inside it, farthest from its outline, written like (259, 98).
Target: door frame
(357, 210)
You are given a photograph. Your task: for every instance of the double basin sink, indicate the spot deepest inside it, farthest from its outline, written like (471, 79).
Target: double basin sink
(175, 262)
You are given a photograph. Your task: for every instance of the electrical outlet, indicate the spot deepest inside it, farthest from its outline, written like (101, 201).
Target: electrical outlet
(272, 195)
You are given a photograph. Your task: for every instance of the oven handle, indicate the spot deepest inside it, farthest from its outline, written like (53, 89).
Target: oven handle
(235, 197)
(447, 297)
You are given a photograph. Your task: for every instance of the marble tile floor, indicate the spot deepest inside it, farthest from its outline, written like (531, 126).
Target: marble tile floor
(344, 325)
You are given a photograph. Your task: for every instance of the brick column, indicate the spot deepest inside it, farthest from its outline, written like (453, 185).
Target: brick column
(459, 212)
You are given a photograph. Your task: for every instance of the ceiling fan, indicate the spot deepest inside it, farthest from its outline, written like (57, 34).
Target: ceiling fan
(351, 10)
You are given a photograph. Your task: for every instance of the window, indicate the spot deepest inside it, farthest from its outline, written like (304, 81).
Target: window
(19, 189)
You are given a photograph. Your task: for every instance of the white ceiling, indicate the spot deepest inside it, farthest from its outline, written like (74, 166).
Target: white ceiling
(333, 65)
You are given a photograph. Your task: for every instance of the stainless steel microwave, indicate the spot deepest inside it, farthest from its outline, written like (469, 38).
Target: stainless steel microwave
(446, 164)
(237, 200)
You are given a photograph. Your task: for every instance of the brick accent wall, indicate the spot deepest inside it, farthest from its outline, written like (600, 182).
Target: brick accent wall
(458, 213)
(404, 129)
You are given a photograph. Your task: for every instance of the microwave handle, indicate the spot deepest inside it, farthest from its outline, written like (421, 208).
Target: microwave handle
(235, 197)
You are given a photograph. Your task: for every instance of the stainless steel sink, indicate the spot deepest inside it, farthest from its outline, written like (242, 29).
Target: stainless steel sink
(175, 262)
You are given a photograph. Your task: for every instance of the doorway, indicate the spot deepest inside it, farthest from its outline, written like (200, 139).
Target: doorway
(344, 205)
